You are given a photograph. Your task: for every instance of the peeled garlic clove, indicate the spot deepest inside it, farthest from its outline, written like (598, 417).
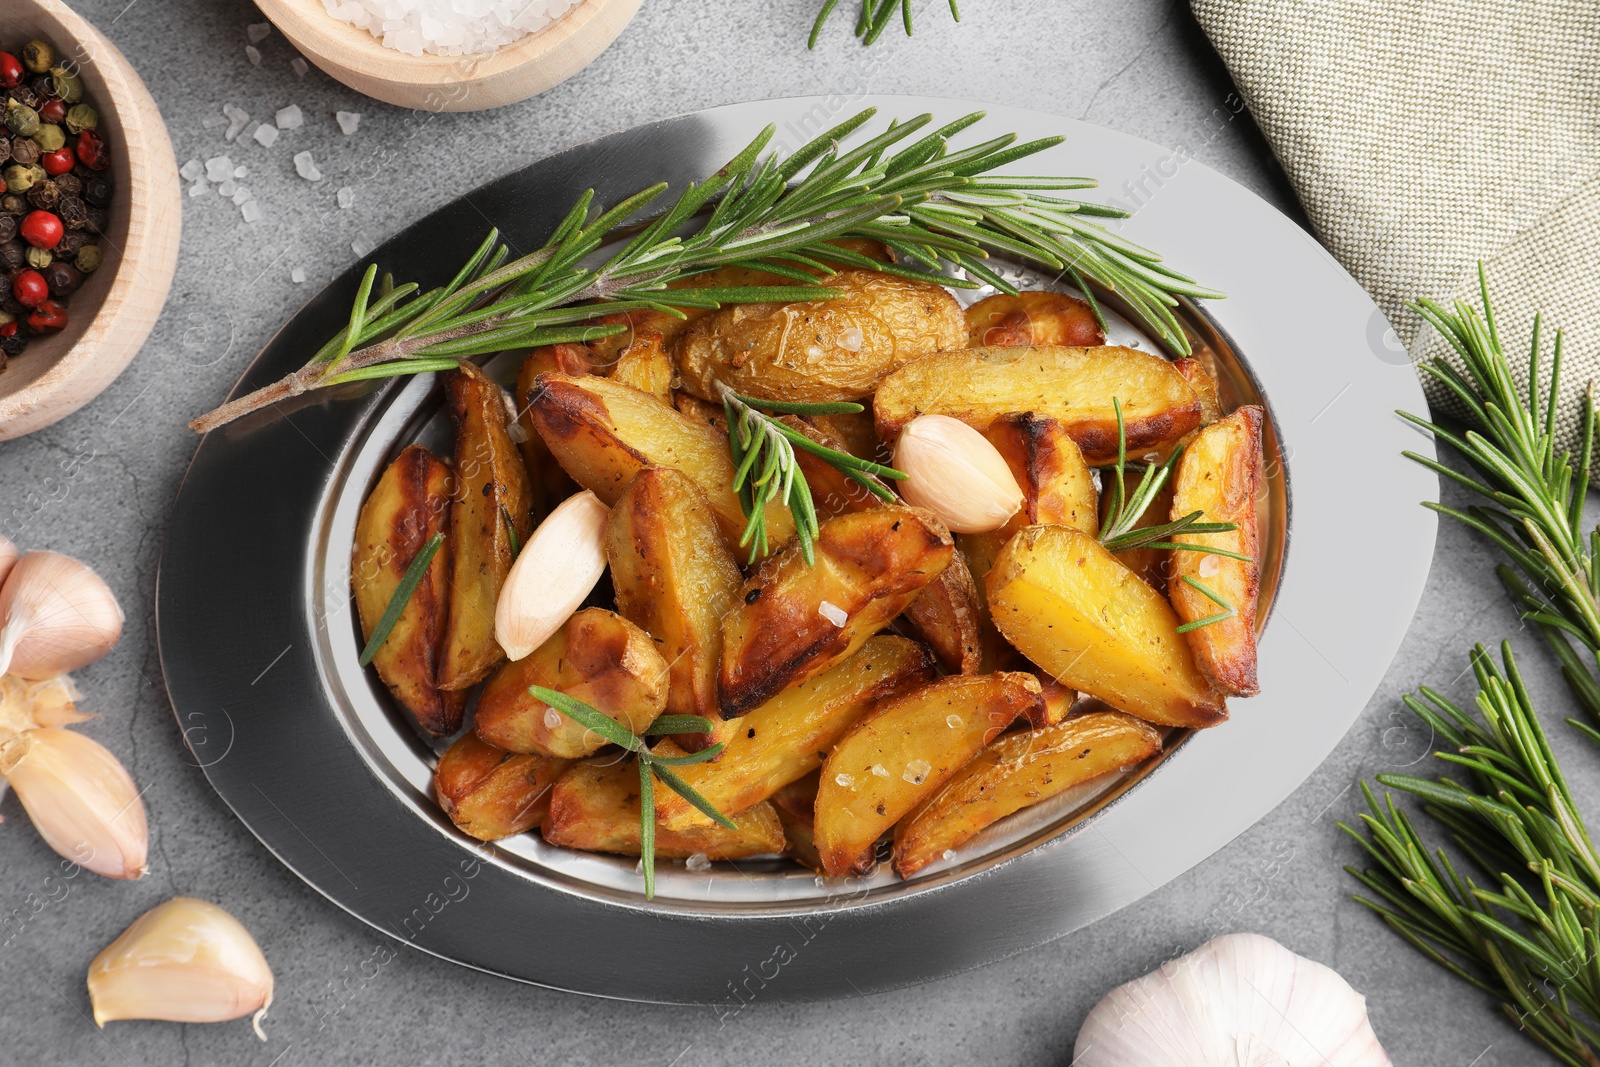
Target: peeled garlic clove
(80, 799)
(1240, 999)
(58, 616)
(185, 961)
(954, 472)
(558, 566)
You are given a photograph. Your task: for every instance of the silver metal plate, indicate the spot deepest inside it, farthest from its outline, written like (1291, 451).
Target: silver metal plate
(317, 763)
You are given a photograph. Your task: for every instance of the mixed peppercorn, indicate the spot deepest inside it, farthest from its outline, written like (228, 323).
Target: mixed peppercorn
(54, 191)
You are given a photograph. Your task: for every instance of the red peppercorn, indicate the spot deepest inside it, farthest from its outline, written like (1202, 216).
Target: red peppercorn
(58, 162)
(49, 315)
(92, 151)
(11, 72)
(9, 329)
(41, 229)
(30, 289)
(53, 110)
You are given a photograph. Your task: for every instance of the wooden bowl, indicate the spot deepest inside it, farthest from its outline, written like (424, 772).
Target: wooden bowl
(516, 71)
(112, 313)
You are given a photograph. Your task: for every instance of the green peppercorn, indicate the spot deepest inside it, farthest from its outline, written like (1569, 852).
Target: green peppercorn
(67, 85)
(21, 119)
(38, 258)
(81, 117)
(6, 316)
(38, 56)
(49, 137)
(87, 259)
(20, 178)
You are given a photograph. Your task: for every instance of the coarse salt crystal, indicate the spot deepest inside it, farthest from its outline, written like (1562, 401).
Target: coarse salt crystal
(698, 862)
(845, 780)
(241, 171)
(952, 721)
(361, 246)
(348, 121)
(880, 770)
(851, 340)
(211, 122)
(1209, 565)
(833, 613)
(253, 54)
(819, 881)
(290, 118)
(297, 276)
(266, 136)
(236, 120)
(251, 210)
(258, 31)
(813, 352)
(346, 197)
(249, 132)
(226, 188)
(219, 168)
(192, 171)
(916, 771)
(949, 853)
(241, 195)
(199, 188)
(552, 718)
(306, 167)
(448, 27)
(300, 66)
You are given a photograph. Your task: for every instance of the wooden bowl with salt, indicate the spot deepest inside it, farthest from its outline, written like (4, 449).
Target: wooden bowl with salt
(111, 314)
(525, 67)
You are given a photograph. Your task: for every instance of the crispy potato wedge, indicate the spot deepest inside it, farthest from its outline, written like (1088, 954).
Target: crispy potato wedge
(1058, 701)
(946, 616)
(490, 793)
(598, 657)
(822, 350)
(994, 651)
(1150, 564)
(1074, 386)
(1220, 474)
(1066, 603)
(1205, 387)
(1032, 318)
(548, 483)
(869, 566)
(796, 805)
(407, 507)
(856, 431)
(902, 752)
(646, 365)
(603, 433)
(595, 806)
(491, 490)
(675, 578)
(1018, 771)
(831, 491)
(789, 736)
(1057, 487)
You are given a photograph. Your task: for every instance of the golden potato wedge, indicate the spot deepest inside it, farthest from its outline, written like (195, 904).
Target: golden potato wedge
(701, 411)
(1150, 564)
(547, 482)
(946, 616)
(902, 752)
(1074, 386)
(1057, 487)
(831, 492)
(490, 793)
(646, 365)
(1205, 387)
(869, 566)
(675, 578)
(1220, 474)
(994, 651)
(1066, 603)
(595, 806)
(598, 657)
(788, 736)
(796, 805)
(857, 432)
(1032, 318)
(1058, 701)
(823, 350)
(603, 433)
(491, 487)
(407, 507)
(1016, 772)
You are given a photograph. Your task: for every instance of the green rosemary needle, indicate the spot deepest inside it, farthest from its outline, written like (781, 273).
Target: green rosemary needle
(1228, 610)
(1120, 533)
(401, 597)
(873, 18)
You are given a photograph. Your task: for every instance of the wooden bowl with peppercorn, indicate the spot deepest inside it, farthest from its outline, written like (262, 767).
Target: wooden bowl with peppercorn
(89, 215)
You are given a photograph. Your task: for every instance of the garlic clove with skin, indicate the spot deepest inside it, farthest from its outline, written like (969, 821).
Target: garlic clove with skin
(558, 566)
(185, 961)
(56, 615)
(80, 799)
(1241, 999)
(953, 471)
(52, 702)
(8, 557)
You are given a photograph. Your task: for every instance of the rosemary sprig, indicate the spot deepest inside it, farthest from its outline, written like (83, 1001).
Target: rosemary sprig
(873, 18)
(765, 469)
(1120, 533)
(1228, 610)
(938, 207)
(1528, 936)
(401, 597)
(1532, 497)
(650, 766)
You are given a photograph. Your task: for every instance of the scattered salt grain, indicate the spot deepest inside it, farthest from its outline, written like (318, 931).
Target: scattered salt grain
(916, 771)
(258, 31)
(199, 188)
(638, 868)
(192, 171)
(249, 132)
(346, 197)
(211, 122)
(251, 210)
(361, 246)
(448, 27)
(552, 719)
(698, 862)
(819, 881)
(240, 171)
(290, 118)
(1209, 565)
(266, 136)
(306, 167)
(851, 340)
(953, 721)
(226, 188)
(241, 195)
(833, 613)
(880, 770)
(348, 121)
(297, 276)
(949, 853)
(845, 780)
(253, 54)
(300, 66)
(236, 120)
(219, 168)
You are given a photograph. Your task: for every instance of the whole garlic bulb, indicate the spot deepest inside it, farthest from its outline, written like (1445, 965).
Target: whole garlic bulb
(953, 471)
(56, 615)
(185, 961)
(79, 798)
(1241, 1000)
(557, 567)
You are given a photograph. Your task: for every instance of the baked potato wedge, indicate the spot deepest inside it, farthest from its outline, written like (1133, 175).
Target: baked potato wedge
(1066, 603)
(1205, 387)
(547, 482)
(946, 616)
(646, 365)
(782, 631)
(1018, 771)
(856, 431)
(407, 507)
(902, 752)
(832, 493)
(1150, 564)
(603, 433)
(796, 805)
(1072, 385)
(490, 793)
(598, 657)
(821, 350)
(595, 807)
(1057, 487)
(492, 491)
(675, 579)
(1220, 474)
(788, 736)
(1032, 318)
(1058, 702)
(994, 651)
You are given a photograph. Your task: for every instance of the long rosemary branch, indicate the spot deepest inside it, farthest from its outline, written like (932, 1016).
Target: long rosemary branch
(940, 209)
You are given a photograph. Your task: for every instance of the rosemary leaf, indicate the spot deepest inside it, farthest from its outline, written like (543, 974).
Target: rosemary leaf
(401, 597)
(679, 724)
(647, 828)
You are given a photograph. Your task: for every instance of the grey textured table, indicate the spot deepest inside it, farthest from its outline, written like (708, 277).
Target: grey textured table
(99, 485)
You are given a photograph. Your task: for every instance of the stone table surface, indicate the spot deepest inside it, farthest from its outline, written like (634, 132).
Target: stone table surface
(99, 486)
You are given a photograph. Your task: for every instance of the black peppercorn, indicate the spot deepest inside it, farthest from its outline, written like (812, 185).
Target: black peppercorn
(74, 212)
(44, 195)
(97, 191)
(12, 253)
(62, 278)
(69, 184)
(8, 228)
(25, 150)
(13, 345)
(82, 171)
(5, 147)
(97, 221)
(40, 84)
(13, 204)
(24, 95)
(69, 244)
(8, 302)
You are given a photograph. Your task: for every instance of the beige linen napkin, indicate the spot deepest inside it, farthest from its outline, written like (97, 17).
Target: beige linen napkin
(1424, 135)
